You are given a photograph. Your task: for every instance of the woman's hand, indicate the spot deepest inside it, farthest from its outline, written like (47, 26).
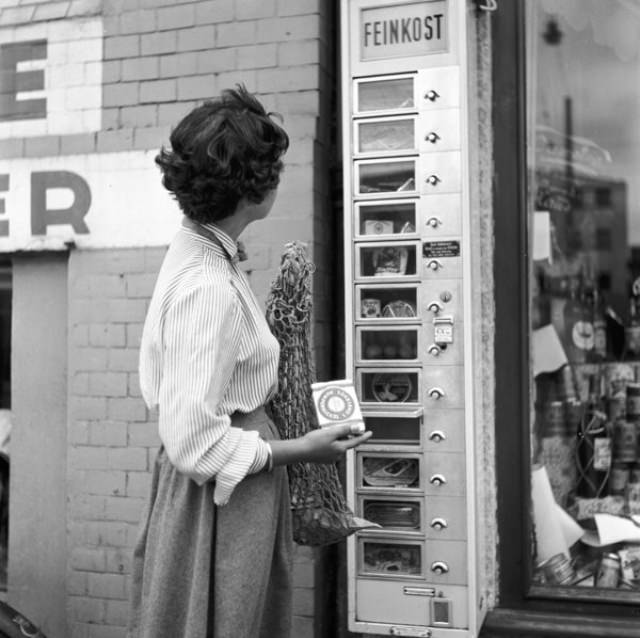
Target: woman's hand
(323, 445)
(328, 444)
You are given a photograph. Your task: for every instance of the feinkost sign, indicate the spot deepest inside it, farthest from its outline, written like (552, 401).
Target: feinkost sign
(405, 30)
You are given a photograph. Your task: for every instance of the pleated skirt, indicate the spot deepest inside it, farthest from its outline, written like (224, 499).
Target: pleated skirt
(200, 570)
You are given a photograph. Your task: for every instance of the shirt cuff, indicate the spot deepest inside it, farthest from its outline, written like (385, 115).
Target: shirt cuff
(262, 457)
(244, 458)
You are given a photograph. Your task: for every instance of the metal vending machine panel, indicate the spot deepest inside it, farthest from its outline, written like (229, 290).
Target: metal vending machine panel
(407, 317)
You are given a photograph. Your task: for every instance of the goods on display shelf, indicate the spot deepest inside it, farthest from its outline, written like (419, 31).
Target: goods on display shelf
(587, 439)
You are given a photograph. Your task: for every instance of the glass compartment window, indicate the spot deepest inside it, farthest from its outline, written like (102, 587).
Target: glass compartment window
(387, 218)
(385, 95)
(386, 136)
(583, 165)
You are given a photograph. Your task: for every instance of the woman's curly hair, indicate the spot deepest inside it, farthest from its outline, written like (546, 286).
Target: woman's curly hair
(225, 149)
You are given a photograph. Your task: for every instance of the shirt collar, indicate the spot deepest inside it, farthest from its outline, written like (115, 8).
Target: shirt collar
(218, 238)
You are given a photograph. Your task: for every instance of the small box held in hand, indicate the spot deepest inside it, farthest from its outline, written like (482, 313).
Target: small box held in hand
(336, 403)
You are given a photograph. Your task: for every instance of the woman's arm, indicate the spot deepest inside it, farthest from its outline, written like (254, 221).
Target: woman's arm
(323, 445)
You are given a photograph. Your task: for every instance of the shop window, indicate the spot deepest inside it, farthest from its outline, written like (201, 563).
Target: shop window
(583, 173)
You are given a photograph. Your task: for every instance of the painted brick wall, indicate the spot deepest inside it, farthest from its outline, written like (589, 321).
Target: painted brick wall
(160, 58)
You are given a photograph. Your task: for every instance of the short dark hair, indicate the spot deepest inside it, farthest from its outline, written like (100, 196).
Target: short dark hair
(223, 150)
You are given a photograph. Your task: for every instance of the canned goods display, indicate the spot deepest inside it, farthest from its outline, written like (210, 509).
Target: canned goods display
(558, 570)
(618, 479)
(625, 441)
(634, 474)
(553, 419)
(608, 575)
(617, 406)
(633, 401)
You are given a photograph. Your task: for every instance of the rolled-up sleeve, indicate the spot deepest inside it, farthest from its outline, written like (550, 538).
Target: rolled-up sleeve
(201, 339)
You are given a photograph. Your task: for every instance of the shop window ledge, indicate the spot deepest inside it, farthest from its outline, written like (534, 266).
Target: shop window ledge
(517, 623)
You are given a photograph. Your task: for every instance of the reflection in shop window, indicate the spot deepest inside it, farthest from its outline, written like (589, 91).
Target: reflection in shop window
(583, 122)
(5, 413)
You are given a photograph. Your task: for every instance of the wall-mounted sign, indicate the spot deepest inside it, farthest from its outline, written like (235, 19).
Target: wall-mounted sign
(51, 78)
(404, 30)
(107, 200)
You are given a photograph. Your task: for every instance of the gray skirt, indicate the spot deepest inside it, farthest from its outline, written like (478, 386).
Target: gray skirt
(204, 571)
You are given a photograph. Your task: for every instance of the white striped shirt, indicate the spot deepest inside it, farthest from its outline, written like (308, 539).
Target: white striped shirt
(207, 352)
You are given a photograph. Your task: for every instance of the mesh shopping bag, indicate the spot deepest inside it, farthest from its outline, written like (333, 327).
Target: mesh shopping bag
(320, 512)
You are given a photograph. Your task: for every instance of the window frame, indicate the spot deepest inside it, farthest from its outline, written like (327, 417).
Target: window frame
(519, 608)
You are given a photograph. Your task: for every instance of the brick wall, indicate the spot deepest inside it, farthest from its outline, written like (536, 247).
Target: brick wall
(159, 59)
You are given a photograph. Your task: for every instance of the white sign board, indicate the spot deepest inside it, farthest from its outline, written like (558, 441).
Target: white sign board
(93, 201)
(403, 30)
(51, 78)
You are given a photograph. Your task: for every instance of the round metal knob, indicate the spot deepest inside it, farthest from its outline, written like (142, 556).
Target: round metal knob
(431, 95)
(435, 307)
(434, 350)
(434, 221)
(439, 567)
(439, 523)
(437, 436)
(434, 180)
(436, 393)
(432, 137)
(434, 264)
(437, 479)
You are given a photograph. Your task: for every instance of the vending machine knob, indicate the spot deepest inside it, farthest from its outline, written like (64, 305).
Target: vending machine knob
(439, 567)
(435, 307)
(437, 436)
(439, 524)
(434, 264)
(436, 393)
(431, 95)
(432, 137)
(435, 349)
(434, 221)
(434, 180)
(437, 479)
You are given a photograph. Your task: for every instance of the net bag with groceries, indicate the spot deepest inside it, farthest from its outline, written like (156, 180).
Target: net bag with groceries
(320, 513)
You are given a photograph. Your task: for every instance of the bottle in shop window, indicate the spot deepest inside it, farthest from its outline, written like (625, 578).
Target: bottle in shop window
(600, 341)
(632, 332)
(593, 446)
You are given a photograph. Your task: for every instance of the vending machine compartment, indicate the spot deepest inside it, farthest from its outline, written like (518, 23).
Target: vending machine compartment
(393, 513)
(386, 219)
(384, 344)
(397, 303)
(394, 94)
(388, 471)
(384, 387)
(395, 428)
(388, 260)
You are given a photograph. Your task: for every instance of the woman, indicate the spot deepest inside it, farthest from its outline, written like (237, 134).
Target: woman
(213, 553)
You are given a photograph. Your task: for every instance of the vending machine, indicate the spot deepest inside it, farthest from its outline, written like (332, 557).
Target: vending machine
(408, 318)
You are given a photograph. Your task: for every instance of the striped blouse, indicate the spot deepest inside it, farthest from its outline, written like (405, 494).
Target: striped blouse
(207, 352)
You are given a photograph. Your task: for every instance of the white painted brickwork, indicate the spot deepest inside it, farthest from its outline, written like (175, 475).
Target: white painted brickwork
(72, 85)
(152, 61)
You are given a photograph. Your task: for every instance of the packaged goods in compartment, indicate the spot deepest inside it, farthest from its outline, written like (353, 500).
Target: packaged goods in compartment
(389, 472)
(387, 344)
(386, 218)
(392, 303)
(391, 557)
(384, 261)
